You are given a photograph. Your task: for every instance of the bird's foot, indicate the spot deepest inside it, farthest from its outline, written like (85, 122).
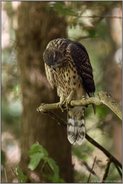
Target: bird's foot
(68, 99)
(84, 98)
(65, 102)
(62, 104)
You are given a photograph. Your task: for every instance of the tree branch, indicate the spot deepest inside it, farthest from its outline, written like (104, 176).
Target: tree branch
(119, 171)
(88, 168)
(92, 170)
(102, 98)
(106, 171)
(109, 155)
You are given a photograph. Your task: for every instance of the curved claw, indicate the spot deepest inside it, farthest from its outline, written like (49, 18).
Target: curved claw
(61, 106)
(65, 102)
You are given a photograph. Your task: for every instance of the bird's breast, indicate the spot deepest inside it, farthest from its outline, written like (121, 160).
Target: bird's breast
(66, 80)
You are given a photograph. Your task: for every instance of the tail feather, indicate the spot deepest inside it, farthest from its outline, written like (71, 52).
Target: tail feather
(76, 127)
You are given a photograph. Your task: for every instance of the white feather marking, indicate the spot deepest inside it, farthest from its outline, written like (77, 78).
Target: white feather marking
(76, 131)
(71, 121)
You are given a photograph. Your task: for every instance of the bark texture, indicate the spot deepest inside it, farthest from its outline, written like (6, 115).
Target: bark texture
(37, 25)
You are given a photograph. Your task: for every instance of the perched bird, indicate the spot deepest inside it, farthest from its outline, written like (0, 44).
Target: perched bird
(68, 68)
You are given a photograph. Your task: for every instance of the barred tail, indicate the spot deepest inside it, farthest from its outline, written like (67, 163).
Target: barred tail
(76, 126)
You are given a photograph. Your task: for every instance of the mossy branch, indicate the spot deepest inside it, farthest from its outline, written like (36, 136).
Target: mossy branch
(102, 98)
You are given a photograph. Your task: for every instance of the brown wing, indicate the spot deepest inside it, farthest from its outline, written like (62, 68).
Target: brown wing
(82, 63)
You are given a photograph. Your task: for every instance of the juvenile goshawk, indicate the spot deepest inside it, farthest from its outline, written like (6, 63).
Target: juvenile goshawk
(68, 68)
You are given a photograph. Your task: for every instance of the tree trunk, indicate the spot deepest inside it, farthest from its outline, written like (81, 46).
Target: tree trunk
(37, 25)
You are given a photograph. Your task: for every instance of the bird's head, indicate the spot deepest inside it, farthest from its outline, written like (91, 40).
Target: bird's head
(54, 58)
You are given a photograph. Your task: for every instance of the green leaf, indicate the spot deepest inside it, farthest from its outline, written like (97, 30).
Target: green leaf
(55, 178)
(36, 154)
(35, 160)
(20, 175)
(35, 148)
(52, 164)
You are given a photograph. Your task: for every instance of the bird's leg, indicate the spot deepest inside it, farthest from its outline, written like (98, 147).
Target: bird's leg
(69, 98)
(84, 97)
(65, 102)
(62, 103)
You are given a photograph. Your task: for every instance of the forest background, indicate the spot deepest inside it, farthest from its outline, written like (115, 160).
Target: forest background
(27, 27)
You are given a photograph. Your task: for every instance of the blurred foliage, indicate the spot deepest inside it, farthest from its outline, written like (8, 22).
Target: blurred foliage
(113, 175)
(93, 33)
(3, 157)
(11, 96)
(83, 151)
(38, 153)
(49, 169)
(61, 9)
(22, 178)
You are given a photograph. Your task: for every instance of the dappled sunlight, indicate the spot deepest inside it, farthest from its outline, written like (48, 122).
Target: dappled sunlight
(5, 30)
(11, 147)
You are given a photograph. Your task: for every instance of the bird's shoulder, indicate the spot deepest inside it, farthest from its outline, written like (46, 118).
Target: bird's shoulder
(82, 63)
